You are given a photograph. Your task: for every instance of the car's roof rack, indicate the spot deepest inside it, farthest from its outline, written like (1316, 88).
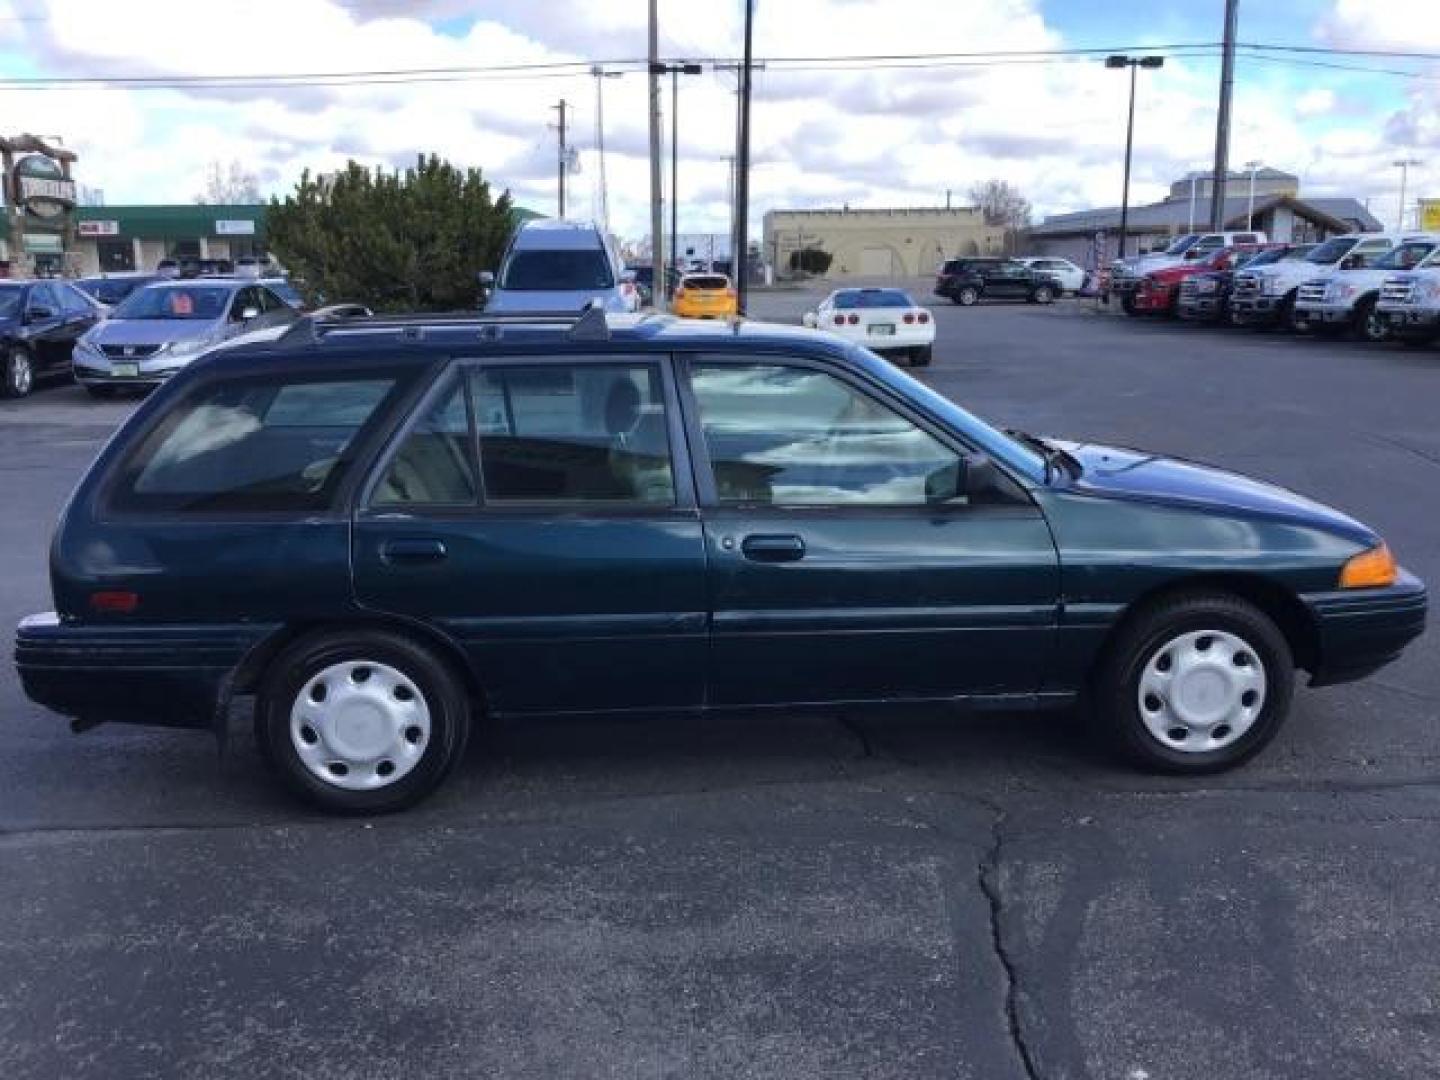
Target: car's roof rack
(589, 324)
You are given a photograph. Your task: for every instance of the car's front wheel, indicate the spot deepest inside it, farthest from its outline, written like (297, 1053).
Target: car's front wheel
(17, 373)
(1195, 684)
(361, 721)
(1370, 325)
(967, 297)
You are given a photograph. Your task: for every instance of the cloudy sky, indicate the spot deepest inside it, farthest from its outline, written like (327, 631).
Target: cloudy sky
(853, 131)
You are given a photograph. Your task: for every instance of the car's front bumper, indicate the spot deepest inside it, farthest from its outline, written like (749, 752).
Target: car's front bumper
(99, 371)
(1253, 310)
(1328, 314)
(162, 675)
(1361, 630)
(1207, 307)
(1153, 300)
(1419, 324)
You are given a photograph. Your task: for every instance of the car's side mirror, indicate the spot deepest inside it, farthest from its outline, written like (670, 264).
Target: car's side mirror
(1192, 255)
(250, 313)
(39, 313)
(1352, 262)
(810, 319)
(966, 477)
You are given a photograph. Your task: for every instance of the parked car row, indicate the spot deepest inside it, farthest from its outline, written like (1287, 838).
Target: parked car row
(132, 331)
(1371, 286)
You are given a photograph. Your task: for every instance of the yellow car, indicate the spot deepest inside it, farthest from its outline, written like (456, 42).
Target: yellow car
(704, 296)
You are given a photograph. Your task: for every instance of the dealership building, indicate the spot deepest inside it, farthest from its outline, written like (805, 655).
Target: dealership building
(118, 238)
(880, 243)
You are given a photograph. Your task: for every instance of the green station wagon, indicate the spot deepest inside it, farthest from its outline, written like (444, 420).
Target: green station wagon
(386, 529)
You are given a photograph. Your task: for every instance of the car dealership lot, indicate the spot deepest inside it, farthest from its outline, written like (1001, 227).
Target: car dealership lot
(909, 896)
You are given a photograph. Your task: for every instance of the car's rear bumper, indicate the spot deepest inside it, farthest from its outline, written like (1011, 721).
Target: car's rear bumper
(1361, 630)
(164, 675)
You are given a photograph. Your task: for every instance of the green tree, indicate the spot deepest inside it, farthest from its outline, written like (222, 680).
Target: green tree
(397, 241)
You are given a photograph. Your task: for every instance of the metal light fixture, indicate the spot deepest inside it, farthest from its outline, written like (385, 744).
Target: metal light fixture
(1117, 61)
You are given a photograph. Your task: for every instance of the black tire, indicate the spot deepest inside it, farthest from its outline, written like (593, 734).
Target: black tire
(1117, 706)
(1370, 325)
(921, 356)
(1127, 304)
(1289, 319)
(968, 296)
(1044, 295)
(17, 372)
(441, 691)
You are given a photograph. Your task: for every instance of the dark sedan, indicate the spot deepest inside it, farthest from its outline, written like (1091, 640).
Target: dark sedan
(40, 322)
(387, 529)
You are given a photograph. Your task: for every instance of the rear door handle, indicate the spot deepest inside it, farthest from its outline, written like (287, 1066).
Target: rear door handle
(412, 550)
(773, 549)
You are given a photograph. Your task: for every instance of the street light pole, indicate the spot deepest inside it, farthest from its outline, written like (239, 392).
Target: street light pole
(1250, 207)
(1404, 167)
(674, 71)
(1131, 62)
(1190, 227)
(657, 219)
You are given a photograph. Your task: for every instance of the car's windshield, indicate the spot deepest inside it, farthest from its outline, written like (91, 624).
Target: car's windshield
(871, 298)
(1182, 245)
(110, 290)
(1404, 257)
(10, 298)
(1332, 250)
(166, 302)
(557, 271)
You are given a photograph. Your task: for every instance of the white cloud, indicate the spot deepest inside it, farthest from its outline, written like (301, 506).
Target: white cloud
(866, 137)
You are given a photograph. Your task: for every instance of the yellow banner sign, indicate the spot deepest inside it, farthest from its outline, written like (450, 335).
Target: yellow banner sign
(1430, 215)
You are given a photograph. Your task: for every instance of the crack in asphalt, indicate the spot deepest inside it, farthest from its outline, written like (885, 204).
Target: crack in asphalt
(860, 735)
(989, 872)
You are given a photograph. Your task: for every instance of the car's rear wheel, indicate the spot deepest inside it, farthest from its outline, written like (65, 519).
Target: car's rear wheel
(361, 721)
(1044, 295)
(920, 356)
(1195, 684)
(17, 373)
(967, 297)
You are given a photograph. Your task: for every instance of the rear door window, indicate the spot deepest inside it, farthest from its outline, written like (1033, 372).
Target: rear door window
(267, 443)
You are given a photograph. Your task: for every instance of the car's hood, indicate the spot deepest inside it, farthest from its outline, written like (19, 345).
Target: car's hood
(547, 301)
(1133, 474)
(150, 331)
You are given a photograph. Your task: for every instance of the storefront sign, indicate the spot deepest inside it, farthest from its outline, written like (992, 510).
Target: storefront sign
(234, 228)
(41, 187)
(98, 228)
(1430, 215)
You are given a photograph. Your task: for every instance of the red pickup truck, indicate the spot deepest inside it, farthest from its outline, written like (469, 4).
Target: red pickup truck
(1158, 292)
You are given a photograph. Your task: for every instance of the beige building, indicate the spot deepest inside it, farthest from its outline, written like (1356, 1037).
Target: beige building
(890, 243)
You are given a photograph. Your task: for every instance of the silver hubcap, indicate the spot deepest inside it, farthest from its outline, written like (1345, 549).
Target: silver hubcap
(360, 725)
(1201, 691)
(20, 373)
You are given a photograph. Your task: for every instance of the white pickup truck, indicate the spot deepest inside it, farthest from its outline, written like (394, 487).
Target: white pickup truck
(1126, 274)
(1347, 300)
(1266, 296)
(1410, 304)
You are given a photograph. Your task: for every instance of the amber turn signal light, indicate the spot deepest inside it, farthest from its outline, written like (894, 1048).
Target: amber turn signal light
(1369, 569)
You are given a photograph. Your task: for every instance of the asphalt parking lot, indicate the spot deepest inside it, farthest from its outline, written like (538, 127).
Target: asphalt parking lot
(909, 896)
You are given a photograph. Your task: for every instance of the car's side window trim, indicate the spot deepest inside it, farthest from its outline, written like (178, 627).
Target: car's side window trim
(699, 450)
(465, 368)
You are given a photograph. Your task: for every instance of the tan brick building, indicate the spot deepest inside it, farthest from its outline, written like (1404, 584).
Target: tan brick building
(883, 243)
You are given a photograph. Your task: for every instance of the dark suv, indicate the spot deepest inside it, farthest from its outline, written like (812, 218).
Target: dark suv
(968, 281)
(383, 528)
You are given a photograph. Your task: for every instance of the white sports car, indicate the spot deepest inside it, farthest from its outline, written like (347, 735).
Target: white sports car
(885, 321)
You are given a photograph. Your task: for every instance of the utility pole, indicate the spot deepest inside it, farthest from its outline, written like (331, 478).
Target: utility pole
(563, 161)
(1222, 119)
(600, 76)
(742, 165)
(657, 220)
(1404, 166)
(674, 71)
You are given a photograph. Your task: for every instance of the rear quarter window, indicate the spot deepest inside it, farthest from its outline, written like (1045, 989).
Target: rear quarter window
(258, 444)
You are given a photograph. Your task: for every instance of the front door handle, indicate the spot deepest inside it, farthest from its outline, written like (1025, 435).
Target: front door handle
(412, 550)
(773, 549)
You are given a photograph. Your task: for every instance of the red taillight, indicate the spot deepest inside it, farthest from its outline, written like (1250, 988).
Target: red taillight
(839, 318)
(923, 317)
(114, 602)
(908, 317)
(679, 291)
(854, 319)
(730, 293)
